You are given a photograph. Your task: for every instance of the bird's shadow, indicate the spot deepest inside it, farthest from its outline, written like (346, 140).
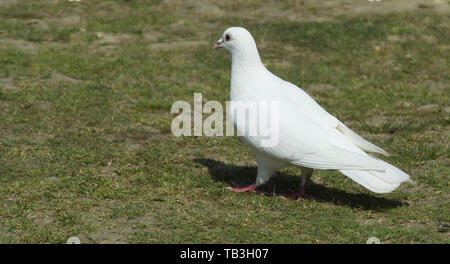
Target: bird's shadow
(284, 183)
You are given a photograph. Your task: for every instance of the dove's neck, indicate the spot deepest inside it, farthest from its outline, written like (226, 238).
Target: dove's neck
(245, 60)
(245, 66)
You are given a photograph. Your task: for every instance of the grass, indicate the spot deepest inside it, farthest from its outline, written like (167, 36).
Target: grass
(85, 143)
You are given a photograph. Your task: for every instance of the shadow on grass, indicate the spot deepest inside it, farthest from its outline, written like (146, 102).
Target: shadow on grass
(283, 183)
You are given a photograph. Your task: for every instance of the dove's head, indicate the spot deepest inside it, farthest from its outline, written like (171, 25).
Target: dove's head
(240, 43)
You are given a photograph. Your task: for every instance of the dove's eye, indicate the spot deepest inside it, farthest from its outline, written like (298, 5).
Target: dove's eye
(227, 37)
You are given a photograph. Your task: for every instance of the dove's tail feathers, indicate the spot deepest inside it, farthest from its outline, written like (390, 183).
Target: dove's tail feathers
(359, 141)
(378, 181)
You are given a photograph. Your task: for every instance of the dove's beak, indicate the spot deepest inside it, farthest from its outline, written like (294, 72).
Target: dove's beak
(219, 44)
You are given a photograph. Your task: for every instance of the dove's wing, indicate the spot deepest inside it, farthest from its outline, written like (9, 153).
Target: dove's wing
(309, 136)
(322, 117)
(313, 146)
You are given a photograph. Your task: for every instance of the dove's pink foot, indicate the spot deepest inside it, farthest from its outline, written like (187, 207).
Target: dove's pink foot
(237, 188)
(301, 193)
(250, 188)
(297, 195)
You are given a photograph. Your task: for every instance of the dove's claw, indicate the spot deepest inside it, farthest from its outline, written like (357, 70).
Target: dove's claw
(296, 195)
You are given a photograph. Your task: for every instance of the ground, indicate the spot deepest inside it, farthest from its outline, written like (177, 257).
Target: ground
(85, 143)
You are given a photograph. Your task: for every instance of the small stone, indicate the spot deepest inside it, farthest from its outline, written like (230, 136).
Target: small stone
(447, 109)
(393, 38)
(427, 107)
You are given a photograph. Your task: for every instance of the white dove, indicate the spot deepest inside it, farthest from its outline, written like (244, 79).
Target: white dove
(309, 136)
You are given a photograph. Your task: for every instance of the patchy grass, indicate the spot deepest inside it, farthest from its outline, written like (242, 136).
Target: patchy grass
(85, 142)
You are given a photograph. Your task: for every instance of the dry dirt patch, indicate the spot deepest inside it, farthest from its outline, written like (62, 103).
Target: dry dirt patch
(177, 45)
(304, 10)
